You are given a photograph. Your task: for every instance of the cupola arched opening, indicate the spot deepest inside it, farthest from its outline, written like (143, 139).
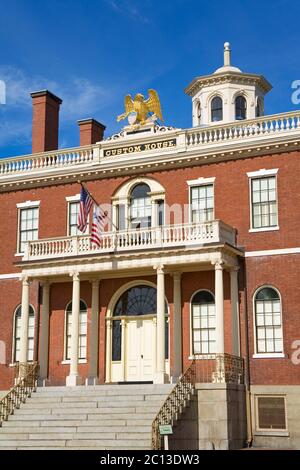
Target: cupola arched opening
(240, 107)
(216, 109)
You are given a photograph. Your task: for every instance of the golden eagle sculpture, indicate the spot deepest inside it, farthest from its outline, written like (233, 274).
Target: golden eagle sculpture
(138, 110)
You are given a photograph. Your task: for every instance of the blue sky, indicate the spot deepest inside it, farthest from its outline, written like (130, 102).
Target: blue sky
(93, 52)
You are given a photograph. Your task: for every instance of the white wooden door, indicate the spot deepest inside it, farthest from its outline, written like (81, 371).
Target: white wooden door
(139, 350)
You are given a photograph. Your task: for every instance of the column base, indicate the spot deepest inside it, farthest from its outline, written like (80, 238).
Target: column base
(73, 380)
(43, 382)
(160, 378)
(91, 381)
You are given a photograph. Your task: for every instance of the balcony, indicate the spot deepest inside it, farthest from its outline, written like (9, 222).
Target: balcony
(130, 241)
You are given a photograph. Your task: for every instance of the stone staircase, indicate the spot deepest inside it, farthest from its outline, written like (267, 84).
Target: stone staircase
(102, 417)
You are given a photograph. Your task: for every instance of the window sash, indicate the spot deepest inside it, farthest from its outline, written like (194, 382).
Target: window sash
(82, 339)
(203, 329)
(264, 202)
(269, 338)
(202, 203)
(30, 337)
(28, 226)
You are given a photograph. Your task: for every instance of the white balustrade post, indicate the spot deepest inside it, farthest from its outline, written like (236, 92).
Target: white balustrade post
(177, 329)
(219, 306)
(24, 321)
(160, 375)
(44, 332)
(94, 335)
(235, 319)
(73, 378)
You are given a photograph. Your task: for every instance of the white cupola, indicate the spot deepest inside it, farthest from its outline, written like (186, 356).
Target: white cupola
(227, 95)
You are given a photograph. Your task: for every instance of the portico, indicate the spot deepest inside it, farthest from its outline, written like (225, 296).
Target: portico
(151, 344)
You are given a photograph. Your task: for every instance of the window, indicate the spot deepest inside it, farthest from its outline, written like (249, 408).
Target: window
(264, 202)
(202, 203)
(28, 226)
(160, 212)
(82, 330)
(17, 334)
(240, 107)
(259, 108)
(203, 323)
(140, 206)
(271, 412)
(268, 321)
(216, 109)
(121, 220)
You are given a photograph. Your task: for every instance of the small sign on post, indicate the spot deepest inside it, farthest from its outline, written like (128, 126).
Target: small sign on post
(165, 430)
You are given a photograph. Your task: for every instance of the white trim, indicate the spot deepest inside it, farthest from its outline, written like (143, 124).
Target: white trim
(68, 361)
(268, 355)
(280, 251)
(27, 204)
(262, 172)
(75, 198)
(201, 181)
(12, 275)
(264, 229)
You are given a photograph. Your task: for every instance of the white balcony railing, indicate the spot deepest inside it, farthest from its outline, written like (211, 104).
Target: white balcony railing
(244, 132)
(184, 235)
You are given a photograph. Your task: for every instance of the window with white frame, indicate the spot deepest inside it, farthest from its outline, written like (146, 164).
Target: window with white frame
(270, 413)
(203, 323)
(268, 325)
(140, 206)
(82, 331)
(17, 334)
(264, 202)
(202, 203)
(28, 226)
(73, 210)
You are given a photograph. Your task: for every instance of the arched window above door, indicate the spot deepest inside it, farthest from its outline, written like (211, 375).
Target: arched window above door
(136, 301)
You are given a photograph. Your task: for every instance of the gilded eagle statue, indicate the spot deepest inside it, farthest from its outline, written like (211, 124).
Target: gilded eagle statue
(138, 109)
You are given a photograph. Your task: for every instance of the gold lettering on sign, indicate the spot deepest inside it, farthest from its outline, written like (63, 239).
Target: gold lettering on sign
(140, 148)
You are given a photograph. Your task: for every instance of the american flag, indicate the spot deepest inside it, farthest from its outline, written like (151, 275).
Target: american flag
(85, 205)
(98, 225)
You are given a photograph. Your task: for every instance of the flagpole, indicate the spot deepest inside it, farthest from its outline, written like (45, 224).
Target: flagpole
(97, 203)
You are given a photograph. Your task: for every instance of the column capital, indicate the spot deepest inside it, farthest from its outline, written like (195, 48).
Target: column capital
(95, 283)
(44, 282)
(75, 275)
(234, 269)
(25, 280)
(159, 268)
(219, 264)
(176, 276)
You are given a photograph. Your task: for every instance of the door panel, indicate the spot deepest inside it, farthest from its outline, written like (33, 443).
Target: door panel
(139, 350)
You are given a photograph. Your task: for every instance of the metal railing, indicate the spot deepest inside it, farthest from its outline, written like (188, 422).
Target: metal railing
(213, 368)
(26, 383)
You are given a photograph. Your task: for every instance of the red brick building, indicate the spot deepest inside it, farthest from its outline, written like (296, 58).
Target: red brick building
(200, 254)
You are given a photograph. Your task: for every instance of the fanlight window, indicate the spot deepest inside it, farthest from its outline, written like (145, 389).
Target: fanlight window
(216, 109)
(136, 301)
(268, 321)
(240, 108)
(17, 334)
(140, 206)
(203, 323)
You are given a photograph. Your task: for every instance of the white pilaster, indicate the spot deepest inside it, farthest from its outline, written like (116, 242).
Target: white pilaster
(160, 375)
(94, 335)
(73, 378)
(24, 320)
(177, 329)
(219, 300)
(123, 351)
(108, 350)
(235, 318)
(44, 332)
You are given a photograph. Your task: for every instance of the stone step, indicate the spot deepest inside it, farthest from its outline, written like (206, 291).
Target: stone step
(73, 429)
(99, 393)
(107, 388)
(91, 404)
(141, 443)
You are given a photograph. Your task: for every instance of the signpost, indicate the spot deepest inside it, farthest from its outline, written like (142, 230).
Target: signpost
(165, 430)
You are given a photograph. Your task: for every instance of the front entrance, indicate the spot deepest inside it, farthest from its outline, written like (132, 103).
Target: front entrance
(131, 336)
(140, 350)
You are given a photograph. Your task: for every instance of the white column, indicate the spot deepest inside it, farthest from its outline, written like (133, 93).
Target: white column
(235, 318)
(108, 350)
(74, 378)
(24, 321)
(160, 376)
(94, 335)
(219, 300)
(177, 330)
(44, 332)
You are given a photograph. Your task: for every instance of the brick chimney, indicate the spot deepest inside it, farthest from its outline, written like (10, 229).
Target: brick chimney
(45, 121)
(91, 131)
